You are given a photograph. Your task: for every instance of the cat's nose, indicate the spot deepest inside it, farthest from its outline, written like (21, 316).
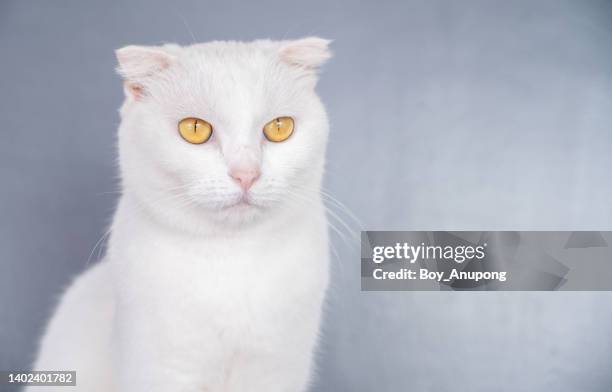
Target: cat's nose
(245, 177)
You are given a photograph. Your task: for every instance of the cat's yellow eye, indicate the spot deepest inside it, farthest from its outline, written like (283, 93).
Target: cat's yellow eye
(195, 130)
(279, 129)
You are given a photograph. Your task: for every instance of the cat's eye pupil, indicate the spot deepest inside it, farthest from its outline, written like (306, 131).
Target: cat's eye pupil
(195, 130)
(279, 129)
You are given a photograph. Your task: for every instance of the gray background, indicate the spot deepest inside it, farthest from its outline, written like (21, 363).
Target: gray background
(445, 115)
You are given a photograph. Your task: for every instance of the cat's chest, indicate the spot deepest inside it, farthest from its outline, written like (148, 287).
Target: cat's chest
(226, 271)
(256, 288)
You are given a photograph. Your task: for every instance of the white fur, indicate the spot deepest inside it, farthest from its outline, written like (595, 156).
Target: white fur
(198, 291)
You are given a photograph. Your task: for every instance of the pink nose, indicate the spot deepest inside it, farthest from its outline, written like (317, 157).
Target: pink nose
(245, 177)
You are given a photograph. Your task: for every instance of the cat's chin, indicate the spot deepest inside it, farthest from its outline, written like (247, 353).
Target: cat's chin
(239, 213)
(240, 208)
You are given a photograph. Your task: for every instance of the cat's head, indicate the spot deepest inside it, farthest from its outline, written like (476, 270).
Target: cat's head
(228, 132)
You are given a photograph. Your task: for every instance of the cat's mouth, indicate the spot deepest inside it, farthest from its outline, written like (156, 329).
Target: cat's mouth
(244, 203)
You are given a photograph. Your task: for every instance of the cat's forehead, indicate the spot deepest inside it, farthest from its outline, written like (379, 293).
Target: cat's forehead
(222, 77)
(231, 60)
(225, 49)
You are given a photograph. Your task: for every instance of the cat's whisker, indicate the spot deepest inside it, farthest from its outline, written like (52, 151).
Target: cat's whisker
(193, 38)
(353, 234)
(343, 207)
(330, 223)
(104, 235)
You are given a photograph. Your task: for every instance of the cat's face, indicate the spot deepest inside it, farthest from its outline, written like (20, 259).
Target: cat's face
(237, 174)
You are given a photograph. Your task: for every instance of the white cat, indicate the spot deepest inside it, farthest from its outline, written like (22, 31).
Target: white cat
(217, 263)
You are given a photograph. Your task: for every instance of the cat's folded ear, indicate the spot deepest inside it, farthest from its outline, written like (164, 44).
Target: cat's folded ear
(138, 64)
(307, 53)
